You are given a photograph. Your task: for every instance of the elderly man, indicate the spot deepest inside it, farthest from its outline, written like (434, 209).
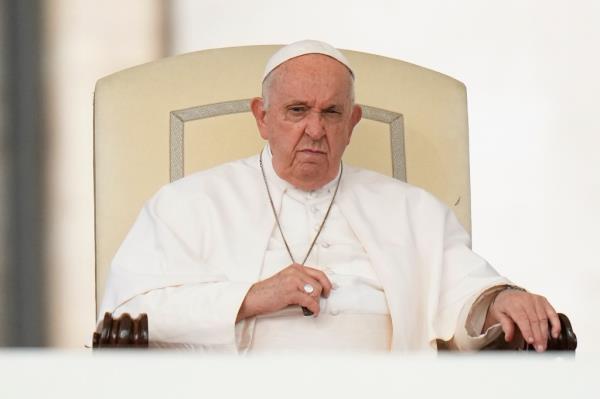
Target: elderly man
(292, 250)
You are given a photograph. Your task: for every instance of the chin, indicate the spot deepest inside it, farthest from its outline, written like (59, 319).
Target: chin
(311, 177)
(311, 170)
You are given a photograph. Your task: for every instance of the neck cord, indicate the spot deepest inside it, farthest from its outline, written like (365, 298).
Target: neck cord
(262, 169)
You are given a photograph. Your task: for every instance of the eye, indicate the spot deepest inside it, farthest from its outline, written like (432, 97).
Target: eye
(332, 113)
(297, 109)
(331, 110)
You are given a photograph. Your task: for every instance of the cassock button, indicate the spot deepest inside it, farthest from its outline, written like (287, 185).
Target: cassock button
(325, 244)
(314, 209)
(334, 311)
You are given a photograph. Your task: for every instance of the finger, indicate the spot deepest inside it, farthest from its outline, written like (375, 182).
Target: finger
(507, 326)
(543, 319)
(321, 277)
(522, 321)
(298, 278)
(307, 301)
(554, 320)
(317, 288)
(539, 340)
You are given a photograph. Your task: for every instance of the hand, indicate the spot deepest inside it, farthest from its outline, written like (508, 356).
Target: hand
(529, 312)
(283, 289)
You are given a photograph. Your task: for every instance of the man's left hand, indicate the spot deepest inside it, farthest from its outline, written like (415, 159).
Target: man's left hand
(529, 312)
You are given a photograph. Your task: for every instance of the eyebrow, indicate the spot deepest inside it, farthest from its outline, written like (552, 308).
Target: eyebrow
(296, 102)
(304, 103)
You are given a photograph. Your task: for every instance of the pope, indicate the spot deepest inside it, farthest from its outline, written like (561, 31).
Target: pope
(234, 258)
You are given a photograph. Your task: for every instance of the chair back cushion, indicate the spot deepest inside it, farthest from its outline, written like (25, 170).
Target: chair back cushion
(159, 121)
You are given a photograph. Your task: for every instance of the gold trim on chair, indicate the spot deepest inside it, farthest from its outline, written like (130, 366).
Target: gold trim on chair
(396, 122)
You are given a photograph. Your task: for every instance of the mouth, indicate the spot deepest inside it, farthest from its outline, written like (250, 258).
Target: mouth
(312, 151)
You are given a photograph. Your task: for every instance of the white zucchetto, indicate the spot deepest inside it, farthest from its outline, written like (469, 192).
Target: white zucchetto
(304, 47)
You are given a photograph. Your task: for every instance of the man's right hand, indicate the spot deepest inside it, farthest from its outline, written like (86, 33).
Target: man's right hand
(284, 289)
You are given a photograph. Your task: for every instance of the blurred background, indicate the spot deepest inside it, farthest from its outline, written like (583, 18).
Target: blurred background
(531, 71)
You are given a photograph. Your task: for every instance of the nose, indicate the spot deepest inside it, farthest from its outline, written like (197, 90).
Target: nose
(314, 127)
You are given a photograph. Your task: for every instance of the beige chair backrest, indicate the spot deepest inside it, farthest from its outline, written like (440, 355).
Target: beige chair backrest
(157, 122)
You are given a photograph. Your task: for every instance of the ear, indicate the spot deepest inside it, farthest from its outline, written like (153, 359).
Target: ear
(259, 112)
(355, 117)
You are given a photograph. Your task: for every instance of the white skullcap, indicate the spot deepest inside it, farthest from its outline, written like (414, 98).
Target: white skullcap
(302, 48)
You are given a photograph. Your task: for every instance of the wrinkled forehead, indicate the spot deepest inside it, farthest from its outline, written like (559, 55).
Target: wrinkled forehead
(310, 78)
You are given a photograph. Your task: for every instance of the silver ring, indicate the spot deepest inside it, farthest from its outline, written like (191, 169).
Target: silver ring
(309, 289)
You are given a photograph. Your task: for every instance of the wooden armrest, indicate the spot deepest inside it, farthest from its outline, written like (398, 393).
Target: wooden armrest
(123, 332)
(566, 341)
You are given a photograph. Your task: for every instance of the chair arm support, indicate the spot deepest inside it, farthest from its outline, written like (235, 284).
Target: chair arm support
(125, 332)
(122, 332)
(566, 341)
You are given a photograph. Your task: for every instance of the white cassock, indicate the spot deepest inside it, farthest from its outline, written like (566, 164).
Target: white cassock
(399, 259)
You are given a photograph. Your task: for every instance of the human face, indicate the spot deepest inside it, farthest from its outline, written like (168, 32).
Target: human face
(309, 119)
